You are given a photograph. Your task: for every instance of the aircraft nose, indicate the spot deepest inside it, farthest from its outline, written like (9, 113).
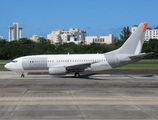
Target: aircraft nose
(8, 66)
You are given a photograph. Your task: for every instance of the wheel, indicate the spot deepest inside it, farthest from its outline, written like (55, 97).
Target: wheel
(77, 74)
(22, 75)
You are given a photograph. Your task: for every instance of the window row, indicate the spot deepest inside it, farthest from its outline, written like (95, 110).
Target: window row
(98, 39)
(50, 61)
(80, 60)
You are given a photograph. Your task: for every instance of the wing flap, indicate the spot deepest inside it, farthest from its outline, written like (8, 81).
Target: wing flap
(79, 66)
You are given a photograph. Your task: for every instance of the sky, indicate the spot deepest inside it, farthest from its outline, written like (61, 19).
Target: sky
(97, 17)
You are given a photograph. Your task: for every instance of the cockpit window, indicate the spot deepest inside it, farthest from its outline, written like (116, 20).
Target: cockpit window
(14, 61)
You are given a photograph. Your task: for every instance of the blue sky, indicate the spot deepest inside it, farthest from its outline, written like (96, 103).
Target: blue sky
(97, 17)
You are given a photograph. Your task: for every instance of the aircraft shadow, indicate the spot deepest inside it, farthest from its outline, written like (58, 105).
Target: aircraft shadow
(85, 76)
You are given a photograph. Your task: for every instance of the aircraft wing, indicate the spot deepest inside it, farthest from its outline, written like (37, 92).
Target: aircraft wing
(78, 67)
(140, 55)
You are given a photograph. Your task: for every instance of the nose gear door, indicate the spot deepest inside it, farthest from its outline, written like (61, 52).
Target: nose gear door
(25, 64)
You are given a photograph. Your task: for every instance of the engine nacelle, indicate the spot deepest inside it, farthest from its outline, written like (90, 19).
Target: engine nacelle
(57, 71)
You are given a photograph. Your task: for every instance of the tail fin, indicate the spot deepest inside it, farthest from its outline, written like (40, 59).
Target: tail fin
(134, 43)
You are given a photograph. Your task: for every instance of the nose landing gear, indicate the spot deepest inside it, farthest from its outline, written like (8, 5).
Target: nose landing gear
(22, 75)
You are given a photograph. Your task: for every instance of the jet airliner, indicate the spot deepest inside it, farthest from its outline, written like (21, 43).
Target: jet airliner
(57, 65)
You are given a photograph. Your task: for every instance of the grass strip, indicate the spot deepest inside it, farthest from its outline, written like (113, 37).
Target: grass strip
(5, 60)
(2, 68)
(138, 67)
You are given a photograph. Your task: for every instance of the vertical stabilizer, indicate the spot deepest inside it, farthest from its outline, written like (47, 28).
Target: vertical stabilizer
(134, 43)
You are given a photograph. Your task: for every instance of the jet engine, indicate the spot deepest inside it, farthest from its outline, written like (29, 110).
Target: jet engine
(57, 71)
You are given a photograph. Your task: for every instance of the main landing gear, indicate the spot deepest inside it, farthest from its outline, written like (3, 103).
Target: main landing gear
(77, 74)
(22, 75)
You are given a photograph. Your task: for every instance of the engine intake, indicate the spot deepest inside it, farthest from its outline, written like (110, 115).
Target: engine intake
(57, 71)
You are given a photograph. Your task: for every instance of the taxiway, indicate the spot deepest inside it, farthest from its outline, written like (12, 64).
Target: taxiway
(98, 97)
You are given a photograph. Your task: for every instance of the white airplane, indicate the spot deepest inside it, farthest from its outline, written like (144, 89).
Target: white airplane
(57, 65)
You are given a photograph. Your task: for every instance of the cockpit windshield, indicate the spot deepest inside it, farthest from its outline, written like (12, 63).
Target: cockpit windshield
(14, 61)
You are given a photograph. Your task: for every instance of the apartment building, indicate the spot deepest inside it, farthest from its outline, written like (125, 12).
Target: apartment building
(101, 39)
(72, 35)
(151, 33)
(15, 32)
(35, 38)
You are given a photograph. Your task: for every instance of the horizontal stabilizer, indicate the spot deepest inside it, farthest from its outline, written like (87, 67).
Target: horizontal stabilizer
(140, 55)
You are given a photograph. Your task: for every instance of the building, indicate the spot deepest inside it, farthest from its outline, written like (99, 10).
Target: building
(15, 32)
(35, 38)
(149, 34)
(101, 39)
(55, 36)
(72, 35)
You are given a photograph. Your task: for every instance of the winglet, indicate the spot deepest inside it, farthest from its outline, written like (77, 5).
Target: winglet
(145, 27)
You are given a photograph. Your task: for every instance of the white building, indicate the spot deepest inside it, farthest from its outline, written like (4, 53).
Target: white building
(149, 34)
(55, 36)
(15, 32)
(72, 35)
(101, 39)
(73, 39)
(35, 38)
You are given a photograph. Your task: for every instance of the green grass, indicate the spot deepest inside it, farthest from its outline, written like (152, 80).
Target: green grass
(138, 67)
(149, 60)
(5, 60)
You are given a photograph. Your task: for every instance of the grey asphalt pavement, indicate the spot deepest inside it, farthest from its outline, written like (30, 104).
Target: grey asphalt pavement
(94, 97)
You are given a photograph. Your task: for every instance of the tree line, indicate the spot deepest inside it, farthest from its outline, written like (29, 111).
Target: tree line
(24, 46)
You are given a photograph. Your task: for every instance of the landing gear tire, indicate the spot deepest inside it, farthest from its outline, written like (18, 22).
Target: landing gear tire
(22, 75)
(77, 74)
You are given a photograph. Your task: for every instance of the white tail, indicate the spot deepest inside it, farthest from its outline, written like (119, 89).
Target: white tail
(134, 43)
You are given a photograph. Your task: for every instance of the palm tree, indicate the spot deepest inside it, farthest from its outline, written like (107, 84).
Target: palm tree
(125, 33)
